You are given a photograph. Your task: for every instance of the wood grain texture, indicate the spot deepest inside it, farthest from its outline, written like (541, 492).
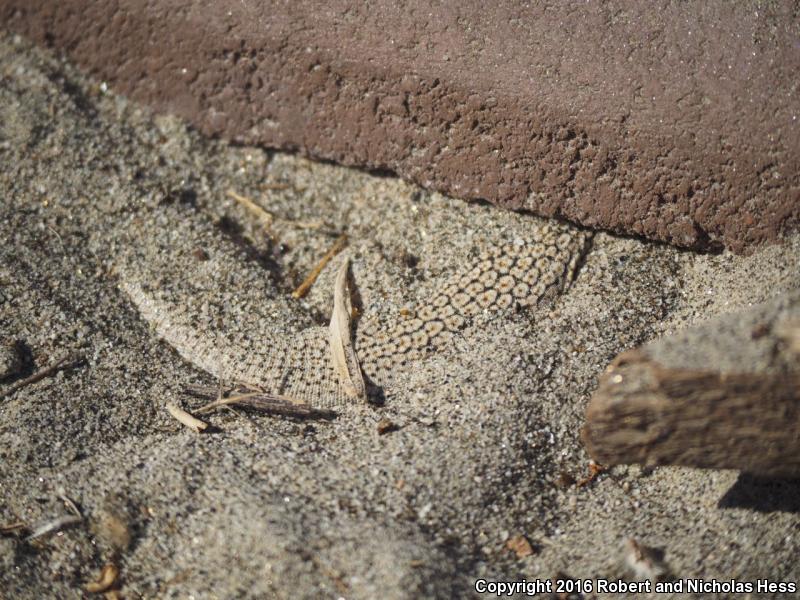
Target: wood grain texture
(725, 394)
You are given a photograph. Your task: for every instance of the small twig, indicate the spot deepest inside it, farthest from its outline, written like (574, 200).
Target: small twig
(71, 505)
(259, 400)
(337, 247)
(226, 401)
(271, 404)
(268, 218)
(53, 526)
(184, 417)
(16, 526)
(65, 362)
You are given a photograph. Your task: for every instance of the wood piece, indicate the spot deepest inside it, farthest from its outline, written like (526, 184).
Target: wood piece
(725, 394)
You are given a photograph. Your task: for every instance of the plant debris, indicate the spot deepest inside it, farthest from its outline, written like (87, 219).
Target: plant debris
(184, 417)
(266, 217)
(343, 354)
(13, 527)
(337, 247)
(67, 361)
(53, 526)
(259, 400)
(106, 580)
(59, 523)
(595, 469)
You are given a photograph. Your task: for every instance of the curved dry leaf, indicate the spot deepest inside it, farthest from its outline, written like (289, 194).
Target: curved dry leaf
(343, 354)
(108, 577)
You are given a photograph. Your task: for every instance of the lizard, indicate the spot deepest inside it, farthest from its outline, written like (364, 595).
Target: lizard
(295, 356)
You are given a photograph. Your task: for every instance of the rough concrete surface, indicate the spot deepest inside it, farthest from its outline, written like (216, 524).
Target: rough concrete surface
(678, 122)
(487, 446)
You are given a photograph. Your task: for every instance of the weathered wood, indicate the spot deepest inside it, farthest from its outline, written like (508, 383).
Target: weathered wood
(725, 394)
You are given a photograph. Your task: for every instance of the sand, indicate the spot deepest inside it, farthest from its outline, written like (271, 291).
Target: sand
(487, 446)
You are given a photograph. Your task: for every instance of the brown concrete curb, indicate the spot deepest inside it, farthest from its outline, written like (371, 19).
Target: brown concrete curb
(678, 122)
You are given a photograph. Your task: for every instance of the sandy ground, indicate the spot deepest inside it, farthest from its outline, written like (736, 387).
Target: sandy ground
(488, 445)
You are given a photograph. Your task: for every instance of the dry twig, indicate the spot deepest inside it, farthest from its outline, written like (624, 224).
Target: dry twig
(12, 527)
(265, 216)
(65, 362)
(723, 394)
(71, 506)
(58, 523)
(257, 400)
(337, 247)
(53, 526)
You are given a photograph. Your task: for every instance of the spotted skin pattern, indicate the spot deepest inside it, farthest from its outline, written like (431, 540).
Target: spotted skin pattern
(502, 278)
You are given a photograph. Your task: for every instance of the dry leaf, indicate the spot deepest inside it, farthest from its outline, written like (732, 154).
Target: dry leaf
(343, 354)
(108, 576)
